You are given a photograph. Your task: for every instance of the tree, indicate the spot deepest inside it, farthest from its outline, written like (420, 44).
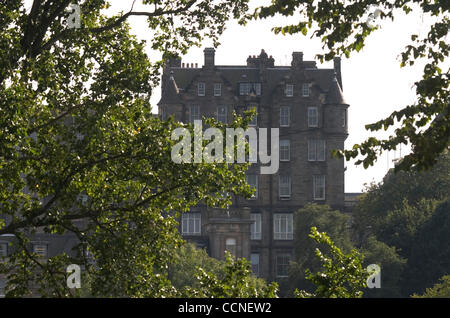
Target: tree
(81, 152)
(408, 211)
(237, 281)
(440, 290)
(400, 226)
(342, 276)
(391, 264)
(183, 269)
(430, 253)
(401, 201)
(343, 27)
(334, 223)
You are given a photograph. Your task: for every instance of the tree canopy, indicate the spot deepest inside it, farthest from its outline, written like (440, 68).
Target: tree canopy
(81, 152)
(408, 213)
(341, 275)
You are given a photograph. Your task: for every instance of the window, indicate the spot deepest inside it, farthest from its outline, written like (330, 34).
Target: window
(285, 187)
(201, 89)
(254, 121)
(344, 117)
(254, 259)
(252, 180)
(246, 88)
(283, 228)
(2, 287)
(319, 187)
(285, 150)
(257, 88)
(191, 223)
(313, 117)
(88, 255)
(230, 245)
(194, 113)
(282, 265)
(305, 90)
(289, 90)
(217, 89)
(163, 113)
(222, 114)
(40, 249)
(255, 227)
(285, 116)
(3, 249)
(316, 150)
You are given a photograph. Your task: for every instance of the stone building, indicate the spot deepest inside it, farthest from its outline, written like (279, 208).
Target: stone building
(307, 105)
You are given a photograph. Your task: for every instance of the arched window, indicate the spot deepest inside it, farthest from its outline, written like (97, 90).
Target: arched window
(230, 245)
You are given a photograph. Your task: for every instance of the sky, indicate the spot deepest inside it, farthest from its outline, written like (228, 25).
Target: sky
(374, 85)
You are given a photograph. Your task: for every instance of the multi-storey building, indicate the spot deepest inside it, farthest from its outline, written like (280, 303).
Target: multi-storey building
(307, 105)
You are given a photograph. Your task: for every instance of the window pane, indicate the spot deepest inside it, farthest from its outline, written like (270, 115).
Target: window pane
(319, 187)
(313, 117)
(285, 116)
(252, 180)
(40, 249)
(191, 223)
(282, 265)
(255, 228)
(230, 245)
(257, 88)
(305, 90)
(283, 226)
(194, 113)
(321, 150)
(222, 114)
(217, 89)
(285, 150)
(311, 150)
(201, 89)
(285, 186)
(3, 249)
(344, 118)
(254, 259)
(289, 90)
(244, 88)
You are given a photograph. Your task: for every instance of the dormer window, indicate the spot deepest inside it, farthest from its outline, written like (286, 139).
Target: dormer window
(247, 88)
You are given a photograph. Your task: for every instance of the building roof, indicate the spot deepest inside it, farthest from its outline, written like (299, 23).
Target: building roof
(181, 78)
(335, 95)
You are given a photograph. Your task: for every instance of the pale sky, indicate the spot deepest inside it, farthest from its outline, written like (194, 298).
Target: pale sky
(374, 84)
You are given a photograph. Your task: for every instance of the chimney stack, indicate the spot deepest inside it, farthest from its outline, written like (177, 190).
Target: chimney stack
(209, 56)
(337, 70)
(297, 59)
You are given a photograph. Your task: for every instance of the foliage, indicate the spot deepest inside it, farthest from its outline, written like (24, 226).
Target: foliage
(342, 276)
(342, 27)
(237, 281)
(430, 253)
(439, 290)
(401, 225)
(81, 152)
(334, 223)
(182, 271)
(408, 211)
(402, 198)
(391, 264)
